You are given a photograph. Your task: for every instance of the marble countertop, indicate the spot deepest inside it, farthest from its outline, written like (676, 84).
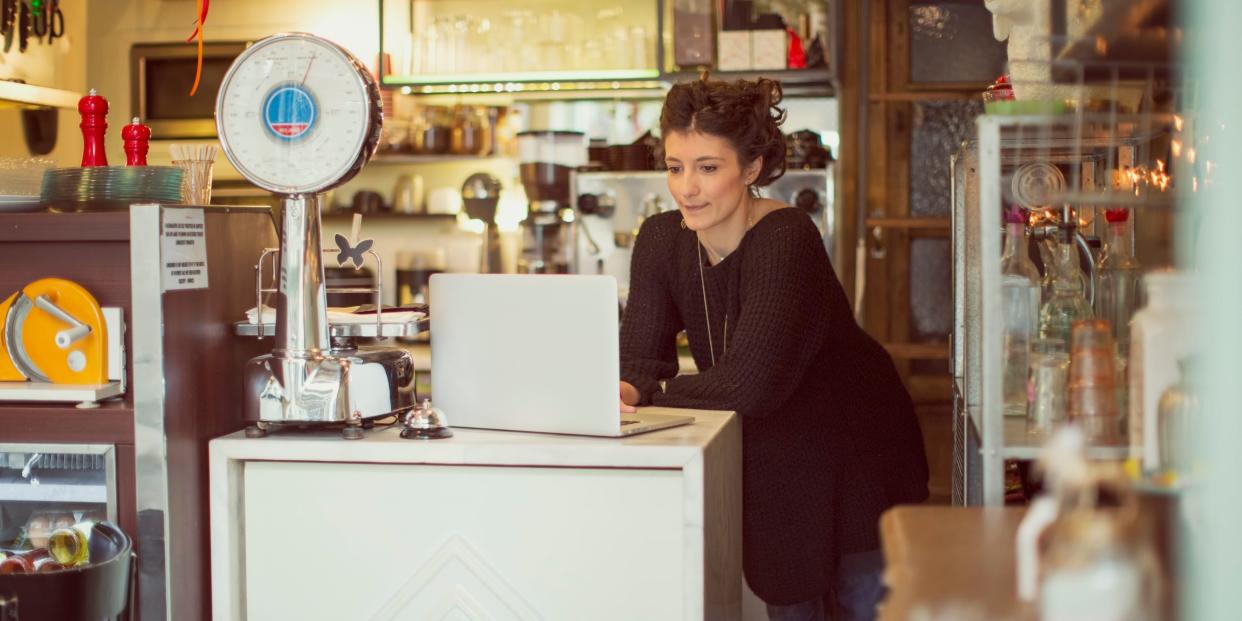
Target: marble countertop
(666, 448)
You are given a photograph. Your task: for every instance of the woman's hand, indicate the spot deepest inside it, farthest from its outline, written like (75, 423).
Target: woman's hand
(629, 397)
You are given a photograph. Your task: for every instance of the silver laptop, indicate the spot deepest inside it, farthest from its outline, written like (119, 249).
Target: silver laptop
(532, 353)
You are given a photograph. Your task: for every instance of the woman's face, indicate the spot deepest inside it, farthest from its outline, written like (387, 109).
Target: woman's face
(706, 179)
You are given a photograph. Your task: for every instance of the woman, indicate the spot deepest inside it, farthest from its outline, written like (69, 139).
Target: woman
(829, 435)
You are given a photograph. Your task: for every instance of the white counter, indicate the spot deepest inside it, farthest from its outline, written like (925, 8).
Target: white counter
(486, 525)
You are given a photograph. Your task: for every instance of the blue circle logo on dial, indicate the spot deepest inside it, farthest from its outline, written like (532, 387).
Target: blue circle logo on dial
(289, 112)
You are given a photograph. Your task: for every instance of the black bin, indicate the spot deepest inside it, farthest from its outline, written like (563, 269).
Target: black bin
(101, 590)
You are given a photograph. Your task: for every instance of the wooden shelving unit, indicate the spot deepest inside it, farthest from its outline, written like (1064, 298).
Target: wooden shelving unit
(16, 94)
(111, 423)
(409, 158)
(189, 371)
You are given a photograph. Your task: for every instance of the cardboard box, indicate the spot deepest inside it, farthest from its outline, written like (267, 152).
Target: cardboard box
(733, 50)
(769, 49)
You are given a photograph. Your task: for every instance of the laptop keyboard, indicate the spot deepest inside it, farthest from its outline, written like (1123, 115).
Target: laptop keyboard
(625, 422)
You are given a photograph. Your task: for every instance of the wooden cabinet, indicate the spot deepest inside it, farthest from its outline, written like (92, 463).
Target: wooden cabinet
(183, 379)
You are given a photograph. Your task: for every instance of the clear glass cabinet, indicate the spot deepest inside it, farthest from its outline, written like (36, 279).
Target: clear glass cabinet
(479, 41)
(46, 486)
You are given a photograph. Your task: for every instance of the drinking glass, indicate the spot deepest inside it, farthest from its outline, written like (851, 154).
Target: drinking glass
(195, 181)
(1093, 380)
(1049, 377)
(1016, 302)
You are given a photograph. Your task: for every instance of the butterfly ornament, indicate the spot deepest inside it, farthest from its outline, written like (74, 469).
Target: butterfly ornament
(351, 253)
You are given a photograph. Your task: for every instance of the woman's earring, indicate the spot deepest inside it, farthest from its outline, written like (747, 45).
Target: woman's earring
(683, 224)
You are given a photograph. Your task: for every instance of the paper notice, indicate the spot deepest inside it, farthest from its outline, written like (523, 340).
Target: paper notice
(184, 244)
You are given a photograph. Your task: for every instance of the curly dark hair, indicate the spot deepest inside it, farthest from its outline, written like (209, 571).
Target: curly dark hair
(744, 112)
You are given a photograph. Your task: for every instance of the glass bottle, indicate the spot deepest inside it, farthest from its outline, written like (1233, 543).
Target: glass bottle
(1066, 302)
(1116, 294)
(26, 562)
(1020, 302)
(15, 564)
(1117, 290)
(70, 546)
(1176, 413)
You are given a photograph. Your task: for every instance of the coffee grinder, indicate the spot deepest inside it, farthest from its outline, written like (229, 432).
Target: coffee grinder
(480, 195)
(546, 158)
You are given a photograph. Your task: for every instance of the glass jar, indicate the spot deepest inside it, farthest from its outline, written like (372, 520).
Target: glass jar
(395, 136)
(1065, 302)
(471, 131)
(431, 132)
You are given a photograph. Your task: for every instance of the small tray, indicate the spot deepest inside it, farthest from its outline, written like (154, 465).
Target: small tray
(366, 330)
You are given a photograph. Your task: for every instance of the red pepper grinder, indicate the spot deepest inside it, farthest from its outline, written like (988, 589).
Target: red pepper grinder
(94, 111)
(137, 139)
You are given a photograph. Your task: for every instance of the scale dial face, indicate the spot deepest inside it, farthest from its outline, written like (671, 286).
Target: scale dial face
(298, 114)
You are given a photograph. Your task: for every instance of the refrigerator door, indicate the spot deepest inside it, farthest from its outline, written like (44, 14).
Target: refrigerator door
(46, 486)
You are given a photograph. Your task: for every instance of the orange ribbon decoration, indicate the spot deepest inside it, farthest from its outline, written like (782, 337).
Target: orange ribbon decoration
(198, 32)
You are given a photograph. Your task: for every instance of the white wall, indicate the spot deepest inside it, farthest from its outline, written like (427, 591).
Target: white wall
(114, 29)
(61, 65)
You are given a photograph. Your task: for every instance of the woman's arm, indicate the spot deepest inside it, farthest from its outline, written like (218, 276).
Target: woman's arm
(783, 325)
(651, 323)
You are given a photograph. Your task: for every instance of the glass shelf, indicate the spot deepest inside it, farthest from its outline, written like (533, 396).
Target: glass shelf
(1021, 443)
(409, 158)
(347, 214)
(507, 81)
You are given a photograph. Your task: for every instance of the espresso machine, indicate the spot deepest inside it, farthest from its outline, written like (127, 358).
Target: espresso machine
(298, 115)
(546, 159)
(611, 207)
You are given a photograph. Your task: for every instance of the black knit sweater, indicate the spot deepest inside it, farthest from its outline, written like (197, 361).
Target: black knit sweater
(829, 436)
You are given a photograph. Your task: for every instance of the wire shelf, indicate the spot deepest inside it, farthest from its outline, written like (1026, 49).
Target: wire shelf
(1109, 133)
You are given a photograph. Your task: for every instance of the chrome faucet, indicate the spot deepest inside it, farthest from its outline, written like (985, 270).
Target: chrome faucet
(1066, 231)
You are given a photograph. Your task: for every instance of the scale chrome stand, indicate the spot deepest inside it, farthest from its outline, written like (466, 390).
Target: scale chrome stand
(298, 115)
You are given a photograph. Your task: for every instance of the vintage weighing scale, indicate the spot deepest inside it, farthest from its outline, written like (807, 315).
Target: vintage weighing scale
(298, 115)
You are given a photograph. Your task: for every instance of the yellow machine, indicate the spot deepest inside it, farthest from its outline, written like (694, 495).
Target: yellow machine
(54, 331)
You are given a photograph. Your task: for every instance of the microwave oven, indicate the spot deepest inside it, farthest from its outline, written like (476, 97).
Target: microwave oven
(161, 75)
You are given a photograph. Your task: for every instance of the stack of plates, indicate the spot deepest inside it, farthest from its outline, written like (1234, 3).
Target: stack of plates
(110, 187)
(20, 178)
